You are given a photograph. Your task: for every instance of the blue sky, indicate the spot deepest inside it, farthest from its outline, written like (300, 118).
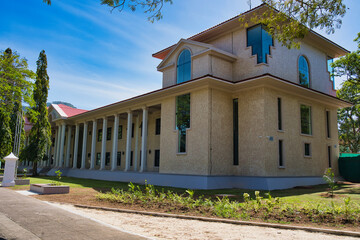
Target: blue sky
(96, 57)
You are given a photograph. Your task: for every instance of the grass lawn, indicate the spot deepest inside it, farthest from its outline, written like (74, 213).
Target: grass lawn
(294, 195)
(296, 206)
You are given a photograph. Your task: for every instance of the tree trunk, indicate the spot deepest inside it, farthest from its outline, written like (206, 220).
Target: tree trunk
(34, 171)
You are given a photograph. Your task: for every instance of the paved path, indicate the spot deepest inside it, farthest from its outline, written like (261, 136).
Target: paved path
(23, 217)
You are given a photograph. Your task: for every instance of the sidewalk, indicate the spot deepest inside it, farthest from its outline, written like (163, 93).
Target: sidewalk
(23, 217)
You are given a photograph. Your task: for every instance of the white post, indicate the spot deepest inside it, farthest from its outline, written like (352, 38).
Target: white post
(128, 141)
(58, 147)
(115, 143)
(63, 128)
(83, 156)
(103, 144)
(9, 172)
(67, 163)
(93, 144)
(76, 145)
(136, 155)
(144, 140)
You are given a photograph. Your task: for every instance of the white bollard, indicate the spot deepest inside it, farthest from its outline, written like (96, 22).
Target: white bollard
(9, 173)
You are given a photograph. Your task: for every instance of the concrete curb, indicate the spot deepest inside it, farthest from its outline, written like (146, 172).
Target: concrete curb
(220, 220)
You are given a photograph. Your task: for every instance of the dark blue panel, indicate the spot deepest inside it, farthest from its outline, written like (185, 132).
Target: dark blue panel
(260, 41)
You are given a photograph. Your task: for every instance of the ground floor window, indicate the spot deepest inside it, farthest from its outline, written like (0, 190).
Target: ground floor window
(157, 158)
(307, 149)
(281, 153)
(118, 158)
(107, 159)
(305, 112)
(131, 158)
(236, 131)
(329, 156)
(182, 120)
(98, 156)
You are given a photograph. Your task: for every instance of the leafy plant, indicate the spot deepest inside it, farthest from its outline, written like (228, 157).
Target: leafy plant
(329, 178)
(25, 173)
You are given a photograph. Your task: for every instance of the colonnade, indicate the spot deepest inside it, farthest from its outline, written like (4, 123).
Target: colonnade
(62, 159)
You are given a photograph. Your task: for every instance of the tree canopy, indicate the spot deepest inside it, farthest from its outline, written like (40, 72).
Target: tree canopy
(290, 20)
(15, 89)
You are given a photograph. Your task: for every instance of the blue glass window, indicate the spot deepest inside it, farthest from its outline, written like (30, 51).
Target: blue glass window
(260, 41)
(182, 119)
(331, 70)
(304, 78)
(184, 66)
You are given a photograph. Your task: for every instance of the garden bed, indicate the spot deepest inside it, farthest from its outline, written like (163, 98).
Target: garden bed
(49, 189)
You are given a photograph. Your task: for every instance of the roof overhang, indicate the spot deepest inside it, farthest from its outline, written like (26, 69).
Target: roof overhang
(155, 97)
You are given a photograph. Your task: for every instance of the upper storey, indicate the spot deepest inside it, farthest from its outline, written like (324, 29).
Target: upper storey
(234, 53)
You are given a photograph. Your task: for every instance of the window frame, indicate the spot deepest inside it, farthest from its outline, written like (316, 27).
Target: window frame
(99, 136)
(177, 130)
(108, 133)
(281, 154)
(310, 150)
(266, 62)
(155, 151)
(328, 123)
(158, 126)
(311, 125)
(280, 115)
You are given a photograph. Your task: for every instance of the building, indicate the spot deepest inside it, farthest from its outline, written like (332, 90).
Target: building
(236, 110)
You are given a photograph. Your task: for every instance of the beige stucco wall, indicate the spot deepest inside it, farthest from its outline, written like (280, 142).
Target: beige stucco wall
(258, 156)
(295, 162)
(195, 160)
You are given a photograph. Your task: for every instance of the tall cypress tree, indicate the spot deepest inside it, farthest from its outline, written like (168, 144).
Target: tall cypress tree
(40, 134)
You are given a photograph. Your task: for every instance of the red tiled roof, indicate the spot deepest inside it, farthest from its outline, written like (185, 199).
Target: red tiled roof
(69, 111)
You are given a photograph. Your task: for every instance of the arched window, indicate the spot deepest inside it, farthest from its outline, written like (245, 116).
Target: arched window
(304, 76)
(184, 66)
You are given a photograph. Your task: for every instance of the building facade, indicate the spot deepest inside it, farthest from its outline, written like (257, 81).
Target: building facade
(236, 110)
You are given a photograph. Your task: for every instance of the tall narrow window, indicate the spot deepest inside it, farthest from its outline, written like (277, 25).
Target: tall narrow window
(157, 126)
(260, 41)
(99, 136)
(118, 158)
(108, 134)
(157, 158)
(131, 158)
(184, 66)
(329, 156)
(279, 114)
(304, 78)
(236, 131)
(305, 112)
(120, 132)
(98, 156)
(107, 158)
(307, 149)
(132, 130)
(328, 124)
(281, 154)
(182, 120)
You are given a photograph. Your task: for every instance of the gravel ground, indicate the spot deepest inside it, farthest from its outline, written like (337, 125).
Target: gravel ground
(173, 228)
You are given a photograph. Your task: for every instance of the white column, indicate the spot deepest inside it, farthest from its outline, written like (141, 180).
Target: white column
(62, 143)
(103, 144)
(93, 145)
(144, 140)
(76, 146)
(67, 163)
(128, 142)
(136, 154)
(58, 147)
(83, 155)
(115, 143)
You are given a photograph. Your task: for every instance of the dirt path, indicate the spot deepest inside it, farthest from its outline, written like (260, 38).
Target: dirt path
(172, 228)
